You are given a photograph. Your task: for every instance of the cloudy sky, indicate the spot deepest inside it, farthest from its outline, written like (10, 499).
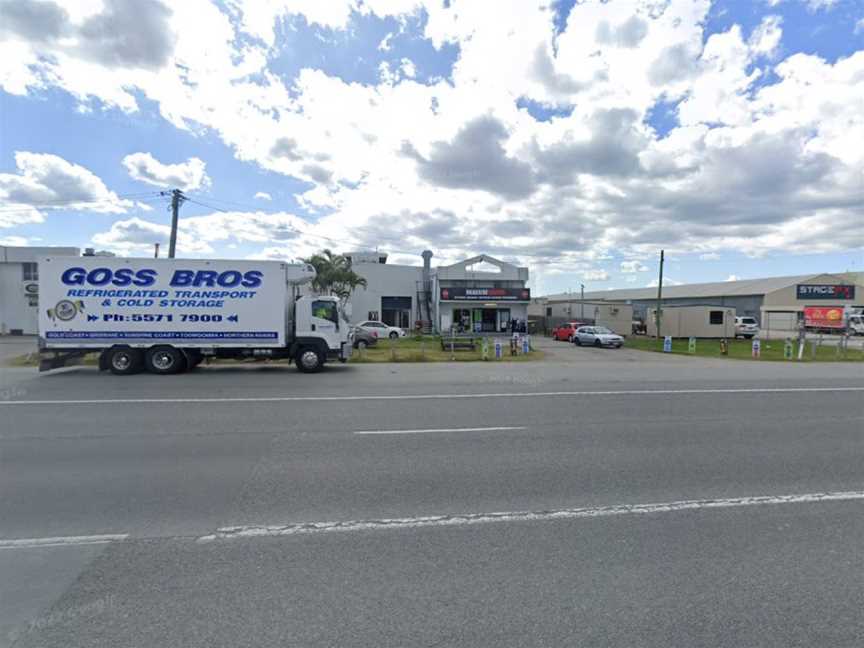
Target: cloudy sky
(577, 138)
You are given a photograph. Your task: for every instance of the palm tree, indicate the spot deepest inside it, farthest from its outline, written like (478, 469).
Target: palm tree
(334, 275)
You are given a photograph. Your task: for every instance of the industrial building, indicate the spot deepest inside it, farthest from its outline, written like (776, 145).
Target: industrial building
(777, 303)
(19, 286)
(481, 294)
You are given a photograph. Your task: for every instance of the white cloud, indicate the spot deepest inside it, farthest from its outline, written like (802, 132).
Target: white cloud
(859, 26)
(667, 281)
(765, 39)
(633, 266)
(709, 256)
(187, 175)
(456, 166)
(733, 277)
(44, 182)
(13, 241)
(135, 236)
(263, 195)
(595, 275)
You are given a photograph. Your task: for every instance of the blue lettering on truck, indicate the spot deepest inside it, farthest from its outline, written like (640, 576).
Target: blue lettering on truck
(211, 278)
(104, 276)
(77, 276)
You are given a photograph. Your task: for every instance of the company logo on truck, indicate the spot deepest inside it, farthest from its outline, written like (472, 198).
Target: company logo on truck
(65, 310)
(147, 277)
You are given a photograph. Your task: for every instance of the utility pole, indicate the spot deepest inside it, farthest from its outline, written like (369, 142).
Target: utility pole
(660, 296)
(582, 303)
(155, 250)
(177, 199)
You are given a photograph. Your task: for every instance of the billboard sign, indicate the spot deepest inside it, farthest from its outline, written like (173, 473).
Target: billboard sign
(825, 291)
(823, 316)
(461, 293)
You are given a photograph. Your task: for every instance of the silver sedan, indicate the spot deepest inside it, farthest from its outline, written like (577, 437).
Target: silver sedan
(597, 336)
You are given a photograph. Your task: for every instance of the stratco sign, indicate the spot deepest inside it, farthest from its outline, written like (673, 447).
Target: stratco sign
(825, 291)
(485, 294)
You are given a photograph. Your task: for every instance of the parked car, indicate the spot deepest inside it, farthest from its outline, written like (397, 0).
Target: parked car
(746, 327)
(381, 329)
(597, 336)
(363, 338)
(564, 332)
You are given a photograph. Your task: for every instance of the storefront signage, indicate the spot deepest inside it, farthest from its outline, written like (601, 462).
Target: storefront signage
(825, 291)
(459, 293)
(823, 317)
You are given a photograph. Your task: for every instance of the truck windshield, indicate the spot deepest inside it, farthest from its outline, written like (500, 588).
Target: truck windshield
(325, 310)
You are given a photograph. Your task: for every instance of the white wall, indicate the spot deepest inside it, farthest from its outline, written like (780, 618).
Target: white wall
(15, 309)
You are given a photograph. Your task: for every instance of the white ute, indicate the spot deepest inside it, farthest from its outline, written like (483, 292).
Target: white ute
(167, 315)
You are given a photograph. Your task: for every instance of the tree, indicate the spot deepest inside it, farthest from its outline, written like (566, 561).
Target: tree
(334, 275)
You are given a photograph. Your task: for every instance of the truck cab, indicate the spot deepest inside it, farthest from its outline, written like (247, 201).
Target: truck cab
(321, 332)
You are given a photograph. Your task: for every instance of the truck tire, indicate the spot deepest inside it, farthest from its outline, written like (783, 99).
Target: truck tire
(164, 360)
(309, 360)
(123, 361)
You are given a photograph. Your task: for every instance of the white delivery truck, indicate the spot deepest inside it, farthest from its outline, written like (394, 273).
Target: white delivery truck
(167, 315)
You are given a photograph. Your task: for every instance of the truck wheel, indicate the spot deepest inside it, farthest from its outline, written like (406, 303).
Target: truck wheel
(123, 361)
(164, 360)
(308, 360)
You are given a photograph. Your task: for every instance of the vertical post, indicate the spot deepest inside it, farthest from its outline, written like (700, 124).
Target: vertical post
(155, 250)
(582, 302)
(659, 313)
(176, 198)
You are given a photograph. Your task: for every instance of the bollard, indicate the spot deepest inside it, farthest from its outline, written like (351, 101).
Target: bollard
(484, 348)
(756, 351)
(724, 346)
(691, 345)
(667, 344)
(526, 344)
(788, 349)
(499, 349)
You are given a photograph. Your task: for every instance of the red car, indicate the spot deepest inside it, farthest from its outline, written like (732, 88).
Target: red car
(565, 332)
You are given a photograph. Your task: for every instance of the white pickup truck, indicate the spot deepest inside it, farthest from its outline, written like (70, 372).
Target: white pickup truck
(167, 315)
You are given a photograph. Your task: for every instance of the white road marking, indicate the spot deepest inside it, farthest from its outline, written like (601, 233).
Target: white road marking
(468, 429)
(228, 533)
(61, 541)
(376, 397)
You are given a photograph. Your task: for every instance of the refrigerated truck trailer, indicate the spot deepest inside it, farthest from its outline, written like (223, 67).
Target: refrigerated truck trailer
(167, 315)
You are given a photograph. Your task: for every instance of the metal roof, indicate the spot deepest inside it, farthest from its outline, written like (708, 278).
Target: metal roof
(699, 290)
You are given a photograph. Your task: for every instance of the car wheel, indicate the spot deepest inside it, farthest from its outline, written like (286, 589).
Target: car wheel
(598, 343)
(577, 341)
(361, 344)
(393, 335)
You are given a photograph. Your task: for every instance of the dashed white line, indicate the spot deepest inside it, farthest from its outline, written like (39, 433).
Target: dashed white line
(237, 532)
(61, 541)
(428, 430)
(379, 397)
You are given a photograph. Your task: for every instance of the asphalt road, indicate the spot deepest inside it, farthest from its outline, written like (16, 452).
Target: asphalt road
(254, 506)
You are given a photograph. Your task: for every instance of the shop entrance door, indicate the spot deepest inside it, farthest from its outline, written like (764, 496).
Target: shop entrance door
(503, 320)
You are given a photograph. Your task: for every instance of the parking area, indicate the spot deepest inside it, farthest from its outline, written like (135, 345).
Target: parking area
(568, 352)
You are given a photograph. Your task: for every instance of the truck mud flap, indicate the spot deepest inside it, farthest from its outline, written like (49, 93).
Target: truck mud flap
(58, 359)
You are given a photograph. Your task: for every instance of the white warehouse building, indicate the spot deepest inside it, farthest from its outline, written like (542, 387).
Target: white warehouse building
(19, 286)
